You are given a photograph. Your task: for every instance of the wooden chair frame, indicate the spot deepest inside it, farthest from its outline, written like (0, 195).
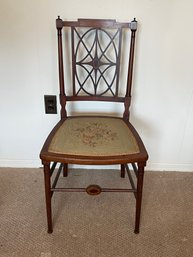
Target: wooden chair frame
(137, 160)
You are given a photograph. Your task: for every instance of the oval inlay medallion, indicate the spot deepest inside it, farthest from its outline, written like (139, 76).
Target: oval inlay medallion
(93, 190)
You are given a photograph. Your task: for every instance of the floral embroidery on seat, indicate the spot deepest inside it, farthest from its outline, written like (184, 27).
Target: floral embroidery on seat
(94, 134)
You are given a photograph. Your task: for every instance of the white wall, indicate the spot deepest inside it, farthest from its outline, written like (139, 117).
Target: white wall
(163, 82)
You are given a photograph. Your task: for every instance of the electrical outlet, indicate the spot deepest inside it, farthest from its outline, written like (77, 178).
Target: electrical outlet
(50, 104)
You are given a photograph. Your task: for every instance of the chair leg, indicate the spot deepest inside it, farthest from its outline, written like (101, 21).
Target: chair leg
(139, 195)
(47, 176)
(65, 170)
(122, 170)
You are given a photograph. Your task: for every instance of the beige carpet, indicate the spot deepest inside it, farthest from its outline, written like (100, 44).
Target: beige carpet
(96, 226)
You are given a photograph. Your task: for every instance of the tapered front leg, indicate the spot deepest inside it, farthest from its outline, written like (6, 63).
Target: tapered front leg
(139, 195)
(47, 177)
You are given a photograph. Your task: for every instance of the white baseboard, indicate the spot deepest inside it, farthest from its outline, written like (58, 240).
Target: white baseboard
(150, 166)
(170, 167)
(20, 163)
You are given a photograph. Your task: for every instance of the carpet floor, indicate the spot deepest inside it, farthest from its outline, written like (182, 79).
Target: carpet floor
(97, 226)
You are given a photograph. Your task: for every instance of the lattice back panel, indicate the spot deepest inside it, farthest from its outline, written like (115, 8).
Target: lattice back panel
(96, 61)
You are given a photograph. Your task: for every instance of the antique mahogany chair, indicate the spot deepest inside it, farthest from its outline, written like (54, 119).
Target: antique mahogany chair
(95, 140)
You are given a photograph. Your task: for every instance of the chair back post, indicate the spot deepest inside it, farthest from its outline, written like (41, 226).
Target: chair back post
(59, 26)
(133, 27)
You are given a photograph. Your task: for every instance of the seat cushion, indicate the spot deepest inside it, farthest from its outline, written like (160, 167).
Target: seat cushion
(94, 136)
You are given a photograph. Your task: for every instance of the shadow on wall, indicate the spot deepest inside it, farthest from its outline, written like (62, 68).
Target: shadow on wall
(148, 133)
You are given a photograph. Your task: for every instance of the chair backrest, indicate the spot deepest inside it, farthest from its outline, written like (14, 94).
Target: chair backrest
(96, 58)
